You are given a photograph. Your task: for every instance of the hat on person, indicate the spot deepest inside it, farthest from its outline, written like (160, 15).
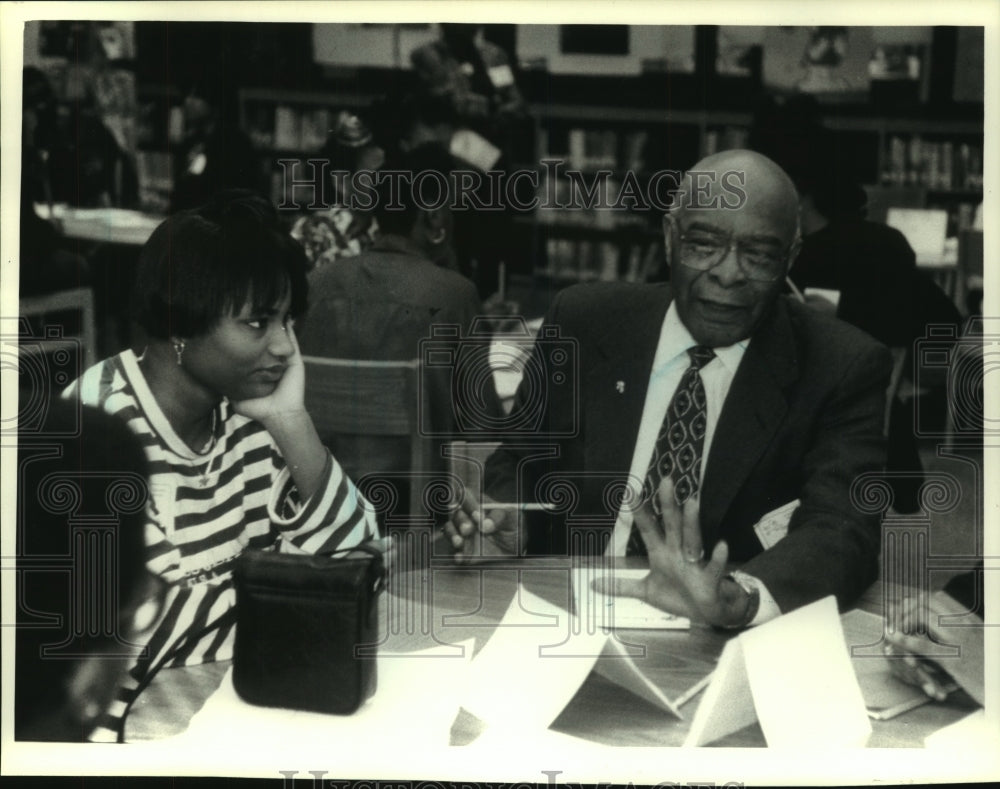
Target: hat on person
(350, 131)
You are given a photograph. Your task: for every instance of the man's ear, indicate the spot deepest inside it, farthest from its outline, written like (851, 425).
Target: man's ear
(433, 225)
(669, 231)
(793, 252)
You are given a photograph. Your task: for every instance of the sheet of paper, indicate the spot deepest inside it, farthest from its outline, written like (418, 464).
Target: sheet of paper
(608, 612)
(728, 703)
(971, 733)
(528, 671)
(802, 680)
(616, 665)
(425, 689)
(793, 674)
(773, 527)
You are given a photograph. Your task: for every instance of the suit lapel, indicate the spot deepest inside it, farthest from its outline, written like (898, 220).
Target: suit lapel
(616, 385)
(753, 410)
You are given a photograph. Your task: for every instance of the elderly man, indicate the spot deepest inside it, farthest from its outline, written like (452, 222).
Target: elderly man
(712, 404)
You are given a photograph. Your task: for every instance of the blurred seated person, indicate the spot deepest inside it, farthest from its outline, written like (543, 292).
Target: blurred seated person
(882, 291)
(217, 397)
(46, 260)
(920, 633)
(64, 682)
(474, 75)
(341, 229)
(215, 155)
(380, 304)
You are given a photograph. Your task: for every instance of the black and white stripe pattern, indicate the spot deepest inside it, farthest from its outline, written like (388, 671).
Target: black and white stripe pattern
(195, 532)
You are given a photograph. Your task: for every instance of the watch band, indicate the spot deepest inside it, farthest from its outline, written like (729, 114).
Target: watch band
(746, 583)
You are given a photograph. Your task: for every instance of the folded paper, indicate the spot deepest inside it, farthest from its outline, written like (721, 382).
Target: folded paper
(794, 676)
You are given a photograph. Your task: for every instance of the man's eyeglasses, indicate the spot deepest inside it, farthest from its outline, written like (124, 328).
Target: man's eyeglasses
(759, 261)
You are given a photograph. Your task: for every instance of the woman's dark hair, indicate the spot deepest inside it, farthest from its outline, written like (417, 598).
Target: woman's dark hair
(400, 202)
(202, 264)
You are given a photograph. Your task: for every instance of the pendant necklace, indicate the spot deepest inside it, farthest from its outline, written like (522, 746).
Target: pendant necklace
(212, 453)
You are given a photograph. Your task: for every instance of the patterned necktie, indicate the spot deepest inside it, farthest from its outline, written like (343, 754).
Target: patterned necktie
(679, 444)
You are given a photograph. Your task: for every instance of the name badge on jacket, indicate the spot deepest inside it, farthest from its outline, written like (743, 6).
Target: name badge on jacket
(773, 527)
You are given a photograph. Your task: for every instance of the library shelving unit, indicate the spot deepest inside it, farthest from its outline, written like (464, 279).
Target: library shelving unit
(920, 158)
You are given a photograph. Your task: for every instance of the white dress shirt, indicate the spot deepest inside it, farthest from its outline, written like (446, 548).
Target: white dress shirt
(669, 363)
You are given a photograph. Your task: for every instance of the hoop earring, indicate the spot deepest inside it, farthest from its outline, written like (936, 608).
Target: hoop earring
(179, 350)
(438, 238)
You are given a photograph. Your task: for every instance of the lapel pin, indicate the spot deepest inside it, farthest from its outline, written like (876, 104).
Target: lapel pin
(620, 386)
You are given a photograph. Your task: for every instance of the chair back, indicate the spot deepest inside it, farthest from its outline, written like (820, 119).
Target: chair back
(970, 265)
(358, 404)
(46, 314)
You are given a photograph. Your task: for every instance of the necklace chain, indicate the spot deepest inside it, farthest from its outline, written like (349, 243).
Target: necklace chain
(212, 451)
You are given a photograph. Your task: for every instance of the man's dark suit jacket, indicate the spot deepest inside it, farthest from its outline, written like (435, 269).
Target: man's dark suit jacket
(802, 419)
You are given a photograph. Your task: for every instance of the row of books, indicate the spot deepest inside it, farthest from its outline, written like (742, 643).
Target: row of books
(935, 165)
(287, 128)
(584, 261)
(589, 149)
(587, 201)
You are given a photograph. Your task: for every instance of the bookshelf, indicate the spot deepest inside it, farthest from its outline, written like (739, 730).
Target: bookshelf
(915, 160)
(906, 161)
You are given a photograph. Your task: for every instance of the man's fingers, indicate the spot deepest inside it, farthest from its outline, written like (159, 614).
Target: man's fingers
(691, 531)
(494, 521)
(670, 516)
(649, 529)
(717, 563)
(616, 586)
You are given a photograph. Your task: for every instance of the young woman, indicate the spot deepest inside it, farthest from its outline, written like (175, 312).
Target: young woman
(217, 399)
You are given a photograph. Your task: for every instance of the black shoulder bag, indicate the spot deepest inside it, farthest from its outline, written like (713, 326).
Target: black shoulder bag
(300, 620)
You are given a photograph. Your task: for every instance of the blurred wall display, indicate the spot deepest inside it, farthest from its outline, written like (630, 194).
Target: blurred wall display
(829, 62)
(737, 48)
(969, 63)
(364, 44)
(90, 63)
(561, 49)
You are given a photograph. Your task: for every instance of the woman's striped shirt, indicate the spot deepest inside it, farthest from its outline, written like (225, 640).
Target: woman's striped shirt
(204, 510)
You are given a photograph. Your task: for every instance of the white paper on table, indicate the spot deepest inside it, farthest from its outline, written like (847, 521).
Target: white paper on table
(616, 665)
(416, 699)
(728, 703)
(530, 670)
(971, 733)
(609, 612)
(801, 684)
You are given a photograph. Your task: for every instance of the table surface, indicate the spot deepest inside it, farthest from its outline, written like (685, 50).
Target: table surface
(103, 225)
(439, 602)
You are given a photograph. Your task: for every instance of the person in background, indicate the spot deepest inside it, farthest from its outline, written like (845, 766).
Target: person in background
(46, 261)
(63, 683)
(881, 290)
(475, 78)
(380, 304)
(474, 75)
(215, 155)
(715, 420)
(341, 230)
(216, 398)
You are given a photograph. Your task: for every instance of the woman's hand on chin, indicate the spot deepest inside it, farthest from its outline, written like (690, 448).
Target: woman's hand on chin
(288, 397)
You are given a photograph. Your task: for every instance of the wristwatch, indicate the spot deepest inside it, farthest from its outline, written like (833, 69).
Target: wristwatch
(746, 583)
